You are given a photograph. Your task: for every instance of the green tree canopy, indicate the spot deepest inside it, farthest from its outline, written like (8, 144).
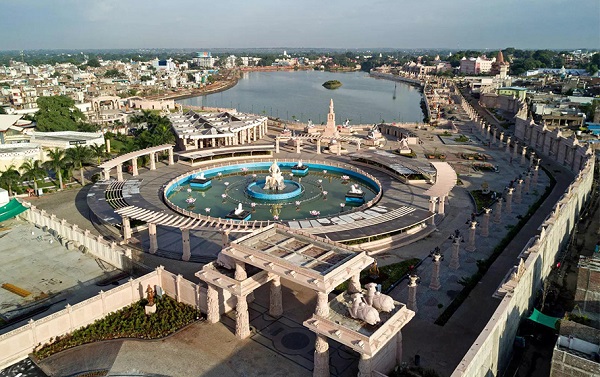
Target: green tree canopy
(57, 113)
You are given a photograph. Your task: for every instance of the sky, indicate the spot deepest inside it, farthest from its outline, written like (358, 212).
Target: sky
(401, 24)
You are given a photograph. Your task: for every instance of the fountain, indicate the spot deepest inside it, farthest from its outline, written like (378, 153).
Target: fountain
(355, 195)
(239, 214)
(300, 169)
(274, 186)
(200, 182)
(275, 180)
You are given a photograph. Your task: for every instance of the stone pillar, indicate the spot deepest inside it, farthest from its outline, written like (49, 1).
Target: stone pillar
(318, 146)
(455, 260)
(254, 131)
(321, 357)
(515, 149)
(527, 182)
(240, 271)
(339, 150)
(494, 137)
(531, 159)
(152, 161)
(152, 237)
(432, 202)
(364, 366)
(485, 224)
(535, 175)
(498, 212)
(518, 191)
(471, 246)
(120, 172)
(225, 238)
(354, 286)
(523, 154)
(412, 293)
(126, 228)
(275, 302)
(107, 142)
(185, 240)
(212, 307)
(500, 139)
(435, 274)
(171, 159)
(441, 204)
(508, 145)
(242, 318)
(276, 145)
(106, 174)
(509, 194)
(298, 142)
(322, 308)
(134, 167)
(399, 348)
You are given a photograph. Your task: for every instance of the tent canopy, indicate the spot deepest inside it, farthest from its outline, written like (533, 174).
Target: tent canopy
(11, 209)
(543, 319)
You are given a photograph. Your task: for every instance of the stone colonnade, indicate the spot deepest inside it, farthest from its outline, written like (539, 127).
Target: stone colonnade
(134, 164)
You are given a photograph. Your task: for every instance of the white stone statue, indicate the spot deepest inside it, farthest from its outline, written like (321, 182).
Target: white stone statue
(347, 123)
(404, 143)
(377, 299)
(310, 124)
(239, 209)
(201, 175)
(354, 189)
(299, 163)
(275, 180)
(360, 310)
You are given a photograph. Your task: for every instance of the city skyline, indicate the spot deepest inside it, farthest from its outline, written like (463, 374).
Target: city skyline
(466, 24)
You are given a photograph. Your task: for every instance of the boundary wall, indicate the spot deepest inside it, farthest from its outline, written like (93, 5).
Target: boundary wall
(491, 351)
(16, 345)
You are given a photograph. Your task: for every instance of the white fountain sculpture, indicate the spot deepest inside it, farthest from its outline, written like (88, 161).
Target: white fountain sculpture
(201, 176)
(299, 163)
(354, 189)
(361, 310)
(275, 180)
(377, 299)
(238, 211)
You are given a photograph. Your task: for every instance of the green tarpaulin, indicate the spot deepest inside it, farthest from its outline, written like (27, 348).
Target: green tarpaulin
(11, 209)
(543, 319)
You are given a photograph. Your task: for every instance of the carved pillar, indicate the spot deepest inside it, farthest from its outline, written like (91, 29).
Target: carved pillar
(185, 241)
(441, 205)
(412, 293)
(471, 246)
(399, 348)
(240, 271)
(485, 224)
(494, 137)
(275, 302)
(339, 150)
(498, 212)
(518, 191)
(531, 159)
(152, 161)
(322, 308)
(318, 146)
(126, 228)
(500, 139)
(107, 142)
(535, 175)
(152, 237)
(242, 318)
(106, 174)
(134, 167)
(523, 155)
(225, 238)
(364, 366)
(321, 357)
(435, 274)
(212, 301)
(515, 149)
(455, 260)
(171, 159)
(354, 286)
(527, 182)
(276, 145)
(507, 150)
(120, 172)
(432, 202)
(298, 145)
(509, 195)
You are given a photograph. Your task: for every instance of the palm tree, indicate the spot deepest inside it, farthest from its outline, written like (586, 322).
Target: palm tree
(32, 171)
(78, 156)
(57, 162)
(99, 151)
(9, 178)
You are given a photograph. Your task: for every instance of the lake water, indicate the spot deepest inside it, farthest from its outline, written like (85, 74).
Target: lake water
(301, 96)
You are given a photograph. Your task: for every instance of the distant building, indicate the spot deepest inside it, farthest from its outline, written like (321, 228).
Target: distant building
(204, 59)
(510, 91)
(476, 66)
(164, 65)
(500, 67)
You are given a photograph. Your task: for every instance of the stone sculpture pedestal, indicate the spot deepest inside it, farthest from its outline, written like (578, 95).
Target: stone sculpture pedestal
(150, 309)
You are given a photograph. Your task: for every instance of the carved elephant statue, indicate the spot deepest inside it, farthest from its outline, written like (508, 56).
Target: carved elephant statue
(377, 299)
(360, 310)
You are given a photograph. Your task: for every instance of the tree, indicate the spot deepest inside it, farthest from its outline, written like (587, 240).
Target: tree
(99, 151)
(57, 113)
(9, 178)
(2, 110)
(57, 162)
(93, 62)
(79, 156)
(32, 171)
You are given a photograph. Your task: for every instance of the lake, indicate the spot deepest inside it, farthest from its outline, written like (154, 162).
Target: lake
(299, 95)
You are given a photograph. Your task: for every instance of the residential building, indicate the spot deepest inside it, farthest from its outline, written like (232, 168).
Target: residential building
(476, 66)
(204, 59)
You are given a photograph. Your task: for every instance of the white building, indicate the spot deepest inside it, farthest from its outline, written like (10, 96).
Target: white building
(204, 59)
(475, 66)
